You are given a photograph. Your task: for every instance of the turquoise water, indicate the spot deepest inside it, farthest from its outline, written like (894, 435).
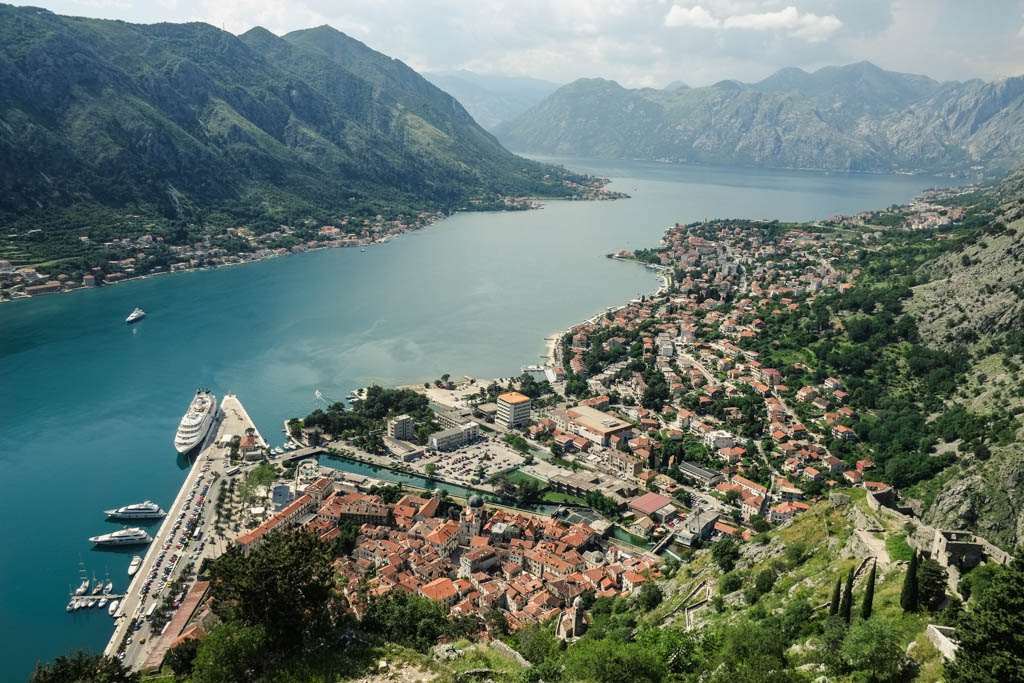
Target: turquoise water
(89, 405)
(415, 481)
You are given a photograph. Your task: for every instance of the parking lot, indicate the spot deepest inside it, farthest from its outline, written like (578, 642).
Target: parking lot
(462, 466)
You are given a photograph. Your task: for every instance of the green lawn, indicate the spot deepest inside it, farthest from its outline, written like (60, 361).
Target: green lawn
(517, 476)
(556, 497)
(896, 545)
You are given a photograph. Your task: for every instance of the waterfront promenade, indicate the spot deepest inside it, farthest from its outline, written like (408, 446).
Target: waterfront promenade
(212, 460)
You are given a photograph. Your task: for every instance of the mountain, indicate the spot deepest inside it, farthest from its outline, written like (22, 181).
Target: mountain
(973, 302)
(492, 99)
(675, 85)
(185, 122)
(850, 118)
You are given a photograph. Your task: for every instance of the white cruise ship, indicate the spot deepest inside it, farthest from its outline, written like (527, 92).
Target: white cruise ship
(132, 536)
(137, 314)
(146, 510)
(196, 423)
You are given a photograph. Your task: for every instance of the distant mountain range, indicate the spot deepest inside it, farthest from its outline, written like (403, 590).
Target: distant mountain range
(185, 121)
(850, 118)
(492, 99)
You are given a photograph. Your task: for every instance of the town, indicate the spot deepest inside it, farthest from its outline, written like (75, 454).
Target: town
(655, 429)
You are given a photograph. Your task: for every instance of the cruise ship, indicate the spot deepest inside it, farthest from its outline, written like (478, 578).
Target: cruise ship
(146, 510)
(196, 423)
(132, 536)
(137, 314)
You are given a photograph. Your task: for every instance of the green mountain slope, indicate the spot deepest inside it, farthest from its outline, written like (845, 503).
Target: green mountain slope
(974, 297)
(184, 122)
(851, 118)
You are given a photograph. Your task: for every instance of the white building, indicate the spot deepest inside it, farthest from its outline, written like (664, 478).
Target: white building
(456, 437)
(513, 410)
(401, 428)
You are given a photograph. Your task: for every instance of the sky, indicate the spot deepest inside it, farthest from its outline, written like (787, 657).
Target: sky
(635, 42)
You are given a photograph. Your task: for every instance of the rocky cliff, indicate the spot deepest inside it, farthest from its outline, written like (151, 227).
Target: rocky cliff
(851, 118)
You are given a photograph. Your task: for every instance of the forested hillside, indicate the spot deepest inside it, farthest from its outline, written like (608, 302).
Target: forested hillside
(185, 124)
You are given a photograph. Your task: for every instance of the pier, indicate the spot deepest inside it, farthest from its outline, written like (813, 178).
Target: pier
(213, 457)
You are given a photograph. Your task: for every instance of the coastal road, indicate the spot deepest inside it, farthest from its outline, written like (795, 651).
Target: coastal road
(212, 459)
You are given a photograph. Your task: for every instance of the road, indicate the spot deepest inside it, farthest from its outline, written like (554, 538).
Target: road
(157, 565)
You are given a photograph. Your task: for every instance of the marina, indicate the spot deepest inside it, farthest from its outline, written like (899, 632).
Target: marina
(137, 604)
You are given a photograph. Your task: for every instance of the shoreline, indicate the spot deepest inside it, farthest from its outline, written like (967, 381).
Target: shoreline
(531, 203)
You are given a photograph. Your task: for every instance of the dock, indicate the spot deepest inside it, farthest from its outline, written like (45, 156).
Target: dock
(234, 420)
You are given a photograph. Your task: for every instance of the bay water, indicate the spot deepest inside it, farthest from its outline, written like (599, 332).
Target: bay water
(89, 405)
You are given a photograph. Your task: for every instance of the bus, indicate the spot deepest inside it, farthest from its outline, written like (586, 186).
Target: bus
(149, 612)
(233, 471)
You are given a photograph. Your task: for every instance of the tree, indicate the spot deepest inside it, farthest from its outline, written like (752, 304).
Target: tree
(84, 667)
(846, 604)
(430, 469)
(231, 653)
(406, 619)
(833, 605)
(612, 661)
(284, 586)
(182, 658)
(496, 622)
(725, 553)
(650, 596)
(869, 595)
(874, 647)
(991, 634)
(931, 584)
(909, 599)
(556, 449)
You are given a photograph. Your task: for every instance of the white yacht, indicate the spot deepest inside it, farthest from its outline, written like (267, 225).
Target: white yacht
(196, 423)
(134, 316)
(132, 536)
(134, 566)
(145, 510)
(112, 610)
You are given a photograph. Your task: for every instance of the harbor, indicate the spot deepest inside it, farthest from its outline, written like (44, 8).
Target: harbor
(132, 639)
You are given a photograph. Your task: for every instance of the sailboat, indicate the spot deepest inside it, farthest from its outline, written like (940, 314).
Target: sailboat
(83, 587)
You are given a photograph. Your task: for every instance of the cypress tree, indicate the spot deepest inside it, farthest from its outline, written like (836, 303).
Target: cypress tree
(909, 599)
(869, 594)
(833, 607)
(846, 604)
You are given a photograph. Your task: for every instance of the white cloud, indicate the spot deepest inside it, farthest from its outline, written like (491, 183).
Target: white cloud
(695, 17)
(808, 26)
(804, 25)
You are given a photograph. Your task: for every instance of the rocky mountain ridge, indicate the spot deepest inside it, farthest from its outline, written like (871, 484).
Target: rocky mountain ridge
(850, 118)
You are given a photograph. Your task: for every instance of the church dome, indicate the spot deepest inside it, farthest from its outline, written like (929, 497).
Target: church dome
(475, 501)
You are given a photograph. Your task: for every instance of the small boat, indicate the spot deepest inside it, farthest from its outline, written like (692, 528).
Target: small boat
(103, 602)
(91, 602)
(97, 588)
(112, 610)
(135, 316)
(109, 587)
(83, 587)
(72, 606)
(134, 566)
